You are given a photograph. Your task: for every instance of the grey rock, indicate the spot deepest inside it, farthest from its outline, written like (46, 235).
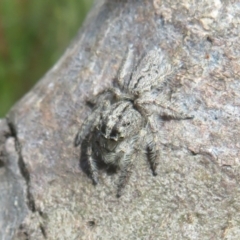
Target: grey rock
(196, 194)
(13, 207)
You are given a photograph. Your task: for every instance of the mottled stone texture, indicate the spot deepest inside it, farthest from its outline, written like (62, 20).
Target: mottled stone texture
(196, 194)
(13, 207)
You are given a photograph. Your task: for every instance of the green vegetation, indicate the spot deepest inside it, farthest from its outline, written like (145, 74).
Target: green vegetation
(33, 35)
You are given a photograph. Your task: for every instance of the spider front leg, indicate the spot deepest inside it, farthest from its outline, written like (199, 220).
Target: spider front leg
(90, 122)
(152, 142)
(152, 152)
(125, 172)
(91, 162)
(151, 137)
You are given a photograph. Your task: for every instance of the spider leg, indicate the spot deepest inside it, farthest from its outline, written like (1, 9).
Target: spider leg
(126, 69)
(91, 162)
(125, 172)
(86, 127)
(152, 148)
(90, 122)
(112, 92)
(173, 113)
(151, 138)
(162, 107)
(152, 71)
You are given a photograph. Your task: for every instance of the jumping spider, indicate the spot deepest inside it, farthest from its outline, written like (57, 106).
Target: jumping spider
(122, 121)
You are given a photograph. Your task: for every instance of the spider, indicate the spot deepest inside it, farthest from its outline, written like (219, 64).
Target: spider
(122, 121)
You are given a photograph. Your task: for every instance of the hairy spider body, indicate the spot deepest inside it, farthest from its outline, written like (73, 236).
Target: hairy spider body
(122, 121)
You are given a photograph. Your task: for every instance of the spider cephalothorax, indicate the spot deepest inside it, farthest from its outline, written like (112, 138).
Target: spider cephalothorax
(122, 120)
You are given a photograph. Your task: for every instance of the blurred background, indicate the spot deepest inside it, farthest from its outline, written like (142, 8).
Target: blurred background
(33, 35)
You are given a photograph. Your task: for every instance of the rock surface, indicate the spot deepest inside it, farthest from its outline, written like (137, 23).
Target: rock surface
(196, 194)
(13, 207)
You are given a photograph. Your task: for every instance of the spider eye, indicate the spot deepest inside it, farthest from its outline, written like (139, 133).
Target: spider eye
(111, 144)
(103, 129)
(126, 124)
(114, 134)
